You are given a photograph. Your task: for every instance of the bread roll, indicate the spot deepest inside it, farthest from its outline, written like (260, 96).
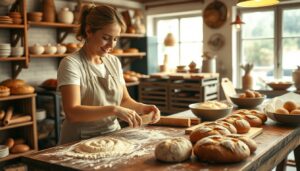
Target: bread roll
(227, 125)
(20, 148)
(206, 131)
(13, 83)
(10, 143)
(117, 51)
(290, 105)
(173, 150)
(254, 121)
(281, 111)
(242, 95)
(263, 117)
(296, 111)
(24, 89)
(257, 94)
(220, 149)
(242, 126)
(4, 89)
(249, 94)
(131, 50)
(248, 141)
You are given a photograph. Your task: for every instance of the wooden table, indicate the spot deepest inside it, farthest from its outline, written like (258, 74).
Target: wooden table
(274, 144)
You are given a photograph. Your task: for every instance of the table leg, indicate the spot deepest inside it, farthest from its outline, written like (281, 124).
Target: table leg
(282, 165)
(297, 157)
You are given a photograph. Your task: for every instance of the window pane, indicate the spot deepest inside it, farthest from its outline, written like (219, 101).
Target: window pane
(191, 52)
(290, 55)
(191, 29)
(291, 22)
(167, 26)
(173, 53)
(258, 25)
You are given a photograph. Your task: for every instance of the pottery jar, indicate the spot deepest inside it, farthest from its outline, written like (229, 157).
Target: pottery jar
(296, 78)
(36, 49)
(61, 49)
(65, 16)
(49, 49)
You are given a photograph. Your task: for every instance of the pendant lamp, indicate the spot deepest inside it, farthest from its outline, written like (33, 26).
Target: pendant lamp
(256, 3)
(238, 22)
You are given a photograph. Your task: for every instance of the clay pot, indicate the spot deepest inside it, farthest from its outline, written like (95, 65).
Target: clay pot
(296, 78)
(36, 49)
(247, 81)
(49, 11)
(49, 49)
(66, 16)
(61, 49)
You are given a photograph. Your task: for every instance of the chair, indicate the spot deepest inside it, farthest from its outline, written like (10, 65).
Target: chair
(228, 88)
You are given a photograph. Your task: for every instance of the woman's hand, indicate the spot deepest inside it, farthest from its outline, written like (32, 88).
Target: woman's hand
(146, 109)
(129, 116)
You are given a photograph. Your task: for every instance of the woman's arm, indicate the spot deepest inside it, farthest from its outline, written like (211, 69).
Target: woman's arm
(75, 112)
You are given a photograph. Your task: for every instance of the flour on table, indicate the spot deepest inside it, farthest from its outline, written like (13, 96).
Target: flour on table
(101, 147)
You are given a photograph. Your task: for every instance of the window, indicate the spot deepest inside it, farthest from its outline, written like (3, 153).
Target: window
(270, 40)
(188, 33)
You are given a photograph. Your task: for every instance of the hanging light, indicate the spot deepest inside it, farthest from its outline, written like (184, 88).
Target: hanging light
(256, 3)
(238, 22)
(169, 40)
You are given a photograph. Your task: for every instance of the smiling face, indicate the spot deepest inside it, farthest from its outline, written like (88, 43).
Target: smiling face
(103, 40)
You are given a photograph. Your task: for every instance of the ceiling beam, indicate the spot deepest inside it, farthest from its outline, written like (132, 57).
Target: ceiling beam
(116, 3)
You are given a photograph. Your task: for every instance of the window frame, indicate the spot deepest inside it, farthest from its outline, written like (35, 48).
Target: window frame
(278, 23)
(156, 19)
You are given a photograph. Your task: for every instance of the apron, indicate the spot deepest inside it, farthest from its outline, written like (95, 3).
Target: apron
(95, 91)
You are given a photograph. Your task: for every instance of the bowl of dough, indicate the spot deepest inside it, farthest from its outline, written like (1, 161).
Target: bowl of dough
(248, 99)
(281, 85)
(211, 110)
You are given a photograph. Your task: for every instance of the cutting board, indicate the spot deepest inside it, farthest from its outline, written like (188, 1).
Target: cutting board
(253, 132)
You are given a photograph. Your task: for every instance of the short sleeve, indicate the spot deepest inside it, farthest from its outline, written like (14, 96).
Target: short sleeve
(120, 71)
(68, 72)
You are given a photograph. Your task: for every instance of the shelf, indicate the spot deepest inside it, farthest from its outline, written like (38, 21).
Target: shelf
(49, 56)
(50, 24)
(131, 35)
(12, 59)
(15, 125)
(13, 156)
(132, 84)
(15, 97)
(17, 26)
(141, 54)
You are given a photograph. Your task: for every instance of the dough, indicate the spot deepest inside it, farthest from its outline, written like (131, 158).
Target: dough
(173, 150)
(101, 147)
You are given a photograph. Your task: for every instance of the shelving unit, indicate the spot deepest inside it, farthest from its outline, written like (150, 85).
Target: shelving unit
(26, 130)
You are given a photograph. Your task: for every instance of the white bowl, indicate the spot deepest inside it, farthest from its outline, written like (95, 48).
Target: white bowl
(284, 118)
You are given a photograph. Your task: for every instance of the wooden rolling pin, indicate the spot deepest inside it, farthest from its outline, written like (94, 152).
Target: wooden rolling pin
(8, 115)
(173, 121)
(19, 119)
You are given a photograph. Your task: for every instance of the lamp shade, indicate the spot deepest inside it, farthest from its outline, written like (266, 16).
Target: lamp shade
(256, 3)
(169, 40)
(238, 22)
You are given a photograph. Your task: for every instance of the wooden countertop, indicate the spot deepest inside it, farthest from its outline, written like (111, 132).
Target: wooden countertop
(274, 144)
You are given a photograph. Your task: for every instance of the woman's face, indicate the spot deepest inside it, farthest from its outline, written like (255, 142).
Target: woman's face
(104, 40)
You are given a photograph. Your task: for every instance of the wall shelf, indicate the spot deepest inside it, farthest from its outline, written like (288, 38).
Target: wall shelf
(13, 59)
(132, 84)
(16, 26)
(13, 156)
(131, 55)
(15, 125)
(131, 35)
(51, 24)
(49, 56)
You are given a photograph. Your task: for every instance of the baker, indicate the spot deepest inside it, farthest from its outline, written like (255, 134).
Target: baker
(91, 82)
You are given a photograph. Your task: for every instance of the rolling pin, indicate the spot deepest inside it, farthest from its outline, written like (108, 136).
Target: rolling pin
(8, 115)
(19, 119)
(173, 121)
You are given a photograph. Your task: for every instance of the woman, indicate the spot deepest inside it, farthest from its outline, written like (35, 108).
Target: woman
(91, 81)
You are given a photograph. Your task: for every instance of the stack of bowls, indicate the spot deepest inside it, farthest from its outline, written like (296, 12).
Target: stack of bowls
(5, 20)
(16, 17)
(35, 16)
(17, 51)
(5, 50)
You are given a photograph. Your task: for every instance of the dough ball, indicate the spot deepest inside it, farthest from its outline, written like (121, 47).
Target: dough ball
(281, 111)
(296, 111)
(290, 105)
(173, 150)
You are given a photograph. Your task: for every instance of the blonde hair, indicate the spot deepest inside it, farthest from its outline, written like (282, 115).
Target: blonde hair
(97, 17)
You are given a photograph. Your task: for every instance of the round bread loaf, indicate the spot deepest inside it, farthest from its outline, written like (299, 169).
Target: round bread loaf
(281, 111)
(24, 89)
(117, 51)
(205, 131)
(227, 125)
(254, 121)
(220, 149)
(12, 83)
(131, 50)
(248, 141)
(10, 143)
(20, 148)
(295, 112)
(242, 126)
(290, 106)
(173, 150)
(259, 114)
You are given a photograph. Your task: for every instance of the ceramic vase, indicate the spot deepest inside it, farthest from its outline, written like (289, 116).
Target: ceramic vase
(296, 79)
(65, 16)
(49, 11)
(247, 81)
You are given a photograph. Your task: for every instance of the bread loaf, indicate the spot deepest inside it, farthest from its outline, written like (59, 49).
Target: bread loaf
(4, 91)
(254, 121)
(20, 148)
(262, 116)
(281, 111)
(242, 126)
(295, 112)
(12, 83)
(227, 125)
(10, 143)
(206, 131)
(131, 50)
(220, 149)
(290, 106)
(173, 150)
(248, 141)
(24, 89)
(117, 51)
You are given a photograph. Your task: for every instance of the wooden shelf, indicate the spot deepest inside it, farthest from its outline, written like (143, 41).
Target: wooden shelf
(49, 56)
(17, 26)
(131, 35)
(132, 84)
(13, 156)
(12, 59)
(15, 97)
(50, 24)
(15, 125)
(141, 54)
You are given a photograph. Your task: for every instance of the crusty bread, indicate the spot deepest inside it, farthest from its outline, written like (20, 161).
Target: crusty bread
(262, 116)
(117, 51)
(221, 149)
(227, 125)
(20, 148)
(12, 83)
(254, 121)
(248, 141)
(205, 131)
(24, 89)
(131, 50)
(242, 126)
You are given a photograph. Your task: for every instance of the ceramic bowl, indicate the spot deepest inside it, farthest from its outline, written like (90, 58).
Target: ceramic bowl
(280, 86)
(284, 118)
(210, 114)
(17, 51)
(247, 102)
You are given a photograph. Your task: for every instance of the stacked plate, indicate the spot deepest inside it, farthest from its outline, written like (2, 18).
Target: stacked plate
(5, 50)
(16, 17)
(5, 20)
